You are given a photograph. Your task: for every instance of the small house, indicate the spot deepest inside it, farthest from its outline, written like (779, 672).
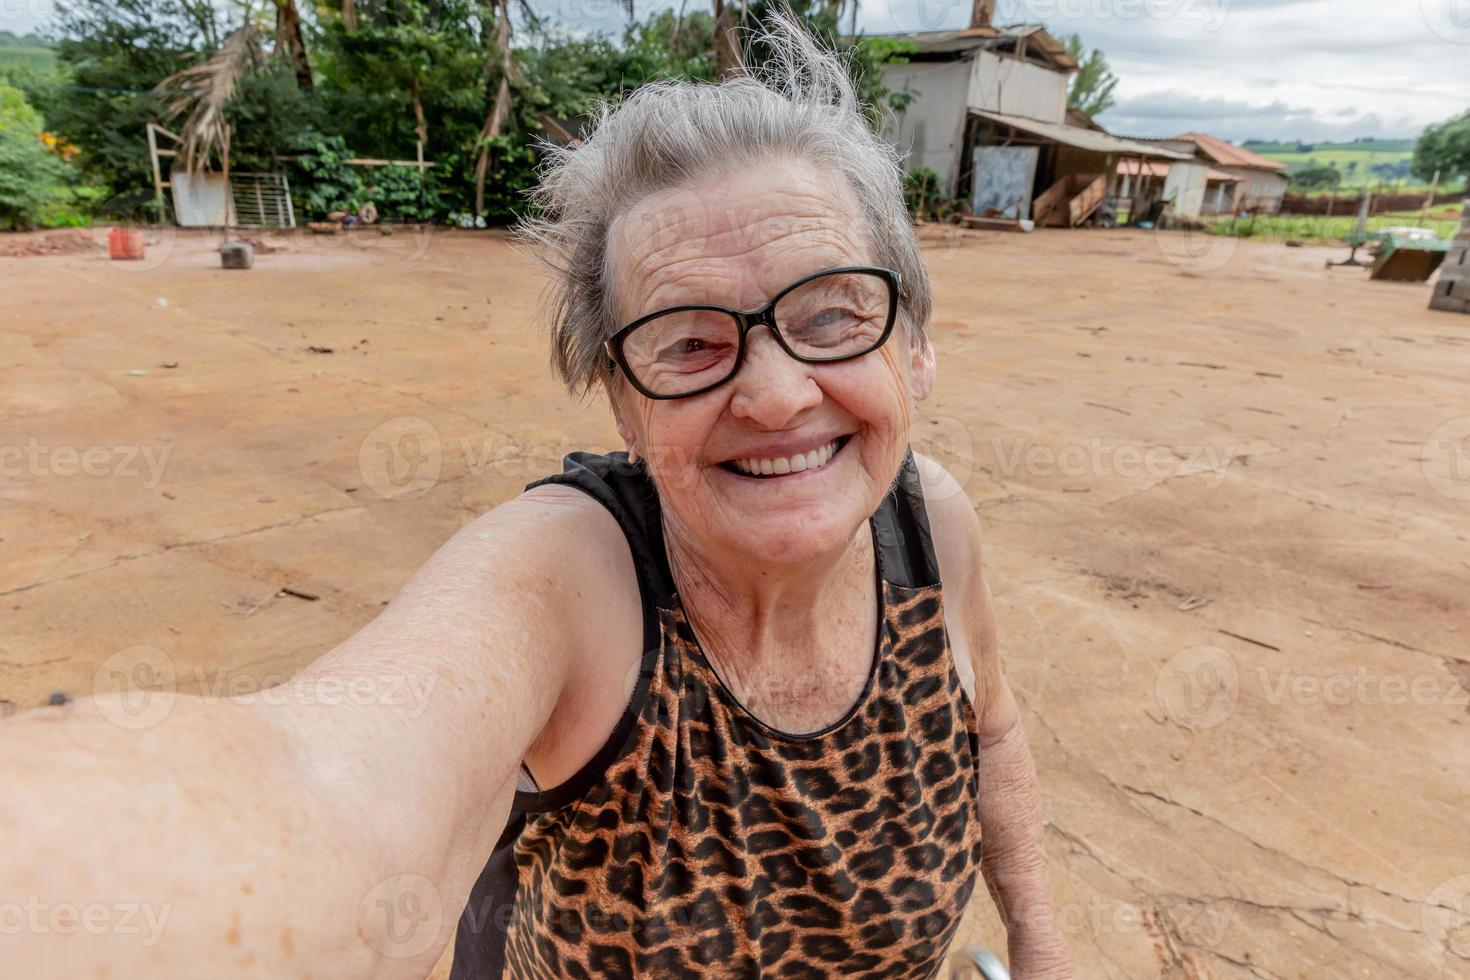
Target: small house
(990, 117)
(1262, 180)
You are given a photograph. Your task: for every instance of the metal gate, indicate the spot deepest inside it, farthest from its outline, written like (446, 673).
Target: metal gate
(262, 200)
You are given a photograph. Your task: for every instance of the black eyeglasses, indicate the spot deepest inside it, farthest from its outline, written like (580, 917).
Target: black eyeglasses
(834, 315)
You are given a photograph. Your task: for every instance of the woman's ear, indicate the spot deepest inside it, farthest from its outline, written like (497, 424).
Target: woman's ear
(625, 431)
(921, 367)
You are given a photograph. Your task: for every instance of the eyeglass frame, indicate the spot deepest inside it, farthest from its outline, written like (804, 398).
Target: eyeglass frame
(748, 321)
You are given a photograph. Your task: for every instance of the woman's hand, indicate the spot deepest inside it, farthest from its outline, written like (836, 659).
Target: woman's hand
(1014, 862)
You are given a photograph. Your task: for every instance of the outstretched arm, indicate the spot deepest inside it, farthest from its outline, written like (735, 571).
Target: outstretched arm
(333, 829)
(1014, 863)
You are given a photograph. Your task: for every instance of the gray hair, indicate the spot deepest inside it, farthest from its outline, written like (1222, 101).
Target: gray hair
(802, 104)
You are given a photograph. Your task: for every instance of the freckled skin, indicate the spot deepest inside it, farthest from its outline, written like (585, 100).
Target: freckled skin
(775, 575)
(735, 240)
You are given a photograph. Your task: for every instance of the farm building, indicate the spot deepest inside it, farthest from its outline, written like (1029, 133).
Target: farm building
(1262, 181)
(990, 117)
(1208, 190)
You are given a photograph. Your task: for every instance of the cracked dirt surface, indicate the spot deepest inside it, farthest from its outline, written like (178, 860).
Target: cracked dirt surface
(1226, 495)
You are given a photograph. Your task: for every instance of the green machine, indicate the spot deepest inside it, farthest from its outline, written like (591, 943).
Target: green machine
(1403, 258)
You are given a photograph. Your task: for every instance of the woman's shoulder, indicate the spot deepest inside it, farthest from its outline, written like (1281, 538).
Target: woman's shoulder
(552, 549)
(953, 524)
(955, 530)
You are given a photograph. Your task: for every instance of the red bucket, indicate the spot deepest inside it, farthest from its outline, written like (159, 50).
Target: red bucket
(125, 243)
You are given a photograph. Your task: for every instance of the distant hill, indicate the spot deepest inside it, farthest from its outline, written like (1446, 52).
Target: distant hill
(1365, 162)
(1370, 143)
(27, 50)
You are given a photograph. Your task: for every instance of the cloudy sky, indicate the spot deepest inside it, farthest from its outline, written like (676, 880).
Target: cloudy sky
(1269, 69)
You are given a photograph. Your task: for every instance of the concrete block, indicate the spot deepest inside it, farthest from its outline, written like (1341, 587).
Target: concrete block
(237, 255)
(1454, 273)
(1451, 296)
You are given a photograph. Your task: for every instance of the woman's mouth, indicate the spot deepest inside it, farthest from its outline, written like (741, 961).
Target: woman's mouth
(770, 466)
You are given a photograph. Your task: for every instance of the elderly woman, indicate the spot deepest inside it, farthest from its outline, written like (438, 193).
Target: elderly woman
(725, 704)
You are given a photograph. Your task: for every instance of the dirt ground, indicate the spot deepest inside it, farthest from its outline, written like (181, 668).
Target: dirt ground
(1226, 494)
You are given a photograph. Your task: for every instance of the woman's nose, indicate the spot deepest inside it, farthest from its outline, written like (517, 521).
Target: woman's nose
(772, 388)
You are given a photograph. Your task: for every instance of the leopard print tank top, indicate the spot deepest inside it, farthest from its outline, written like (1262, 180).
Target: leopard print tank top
(702, 842)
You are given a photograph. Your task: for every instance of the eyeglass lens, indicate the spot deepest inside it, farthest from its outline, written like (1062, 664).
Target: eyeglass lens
(838, 315)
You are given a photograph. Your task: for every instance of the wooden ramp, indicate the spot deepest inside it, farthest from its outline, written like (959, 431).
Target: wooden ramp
(1070, 201)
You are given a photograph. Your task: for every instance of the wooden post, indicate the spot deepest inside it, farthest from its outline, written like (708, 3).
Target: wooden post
(1364, 210)
(982, 12)
(1429, 201)
(229, 194)
(157, 174)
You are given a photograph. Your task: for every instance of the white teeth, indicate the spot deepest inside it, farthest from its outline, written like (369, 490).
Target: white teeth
(776, 466)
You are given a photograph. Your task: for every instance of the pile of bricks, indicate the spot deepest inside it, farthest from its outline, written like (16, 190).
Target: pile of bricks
(1452, 292)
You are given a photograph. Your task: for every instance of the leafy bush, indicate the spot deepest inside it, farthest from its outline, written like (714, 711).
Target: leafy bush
(924, 194)
(31, 177)
(399, 194)
(321, 182)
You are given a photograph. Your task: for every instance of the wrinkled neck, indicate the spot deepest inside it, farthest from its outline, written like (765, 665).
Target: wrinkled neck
(746, 611)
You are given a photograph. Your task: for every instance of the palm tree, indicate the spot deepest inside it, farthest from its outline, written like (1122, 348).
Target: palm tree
(203, 91)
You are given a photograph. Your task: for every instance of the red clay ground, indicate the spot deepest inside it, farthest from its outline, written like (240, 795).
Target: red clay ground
(1226, 494)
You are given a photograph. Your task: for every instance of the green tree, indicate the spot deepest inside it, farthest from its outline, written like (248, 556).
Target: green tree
(112, 54)
(1444, 147)
(30, 176)
(1092, 86)
(409, 70)
(1314, 178)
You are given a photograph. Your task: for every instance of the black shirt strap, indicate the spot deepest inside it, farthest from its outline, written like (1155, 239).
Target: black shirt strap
(905, 544)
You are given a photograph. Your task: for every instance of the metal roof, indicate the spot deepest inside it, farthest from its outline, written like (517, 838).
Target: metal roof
(1230, 155)
(1129, 168)
(971, 38)
(1084, 139)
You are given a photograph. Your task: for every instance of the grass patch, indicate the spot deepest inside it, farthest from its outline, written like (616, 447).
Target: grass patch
(1318, 229)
